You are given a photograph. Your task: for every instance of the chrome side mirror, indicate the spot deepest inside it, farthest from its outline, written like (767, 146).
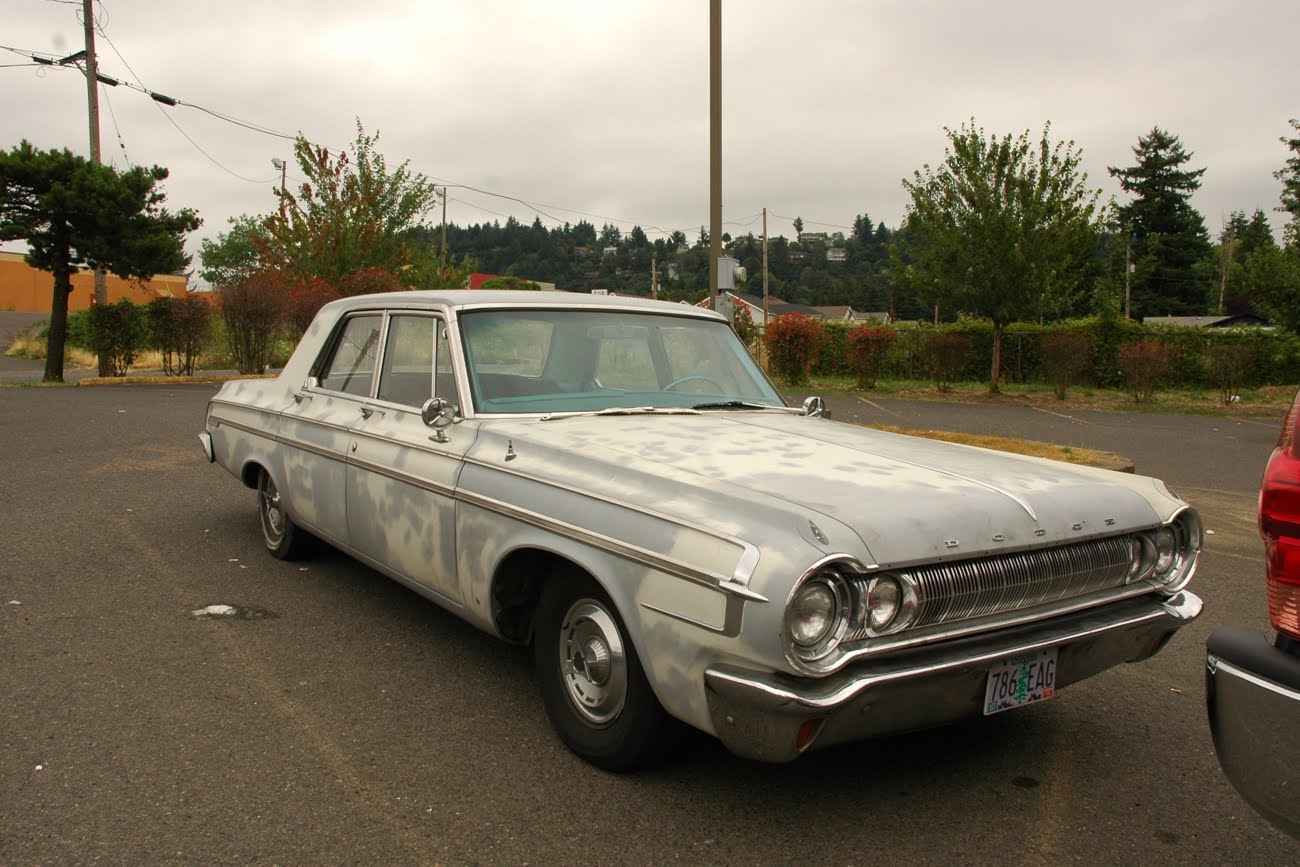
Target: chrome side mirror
(437, 415)
(815, 407)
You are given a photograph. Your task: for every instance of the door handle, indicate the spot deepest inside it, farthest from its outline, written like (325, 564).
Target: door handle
(367, 411)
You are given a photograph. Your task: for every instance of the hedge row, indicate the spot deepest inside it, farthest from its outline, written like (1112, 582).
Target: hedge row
(1270, 357)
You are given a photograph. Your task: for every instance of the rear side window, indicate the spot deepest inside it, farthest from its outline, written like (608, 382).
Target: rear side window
(351, 365)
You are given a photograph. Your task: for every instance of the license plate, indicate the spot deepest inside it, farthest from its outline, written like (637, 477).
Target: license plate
(1021, 679)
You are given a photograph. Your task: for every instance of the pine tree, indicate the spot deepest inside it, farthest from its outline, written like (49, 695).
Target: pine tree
(1171, 244)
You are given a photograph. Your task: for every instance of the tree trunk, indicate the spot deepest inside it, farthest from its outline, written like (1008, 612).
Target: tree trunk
(997, 358)
(58, 334)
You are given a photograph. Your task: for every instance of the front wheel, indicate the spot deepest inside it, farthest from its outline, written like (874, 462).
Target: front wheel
(283, 537)
(592, 684)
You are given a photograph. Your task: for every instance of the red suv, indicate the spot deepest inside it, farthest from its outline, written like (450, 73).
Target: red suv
(1252, 687)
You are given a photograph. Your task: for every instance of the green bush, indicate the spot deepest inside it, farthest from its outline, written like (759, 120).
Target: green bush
(118, 331)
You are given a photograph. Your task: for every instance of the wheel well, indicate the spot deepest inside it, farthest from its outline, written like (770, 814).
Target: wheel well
(517, 586)
(249, 474)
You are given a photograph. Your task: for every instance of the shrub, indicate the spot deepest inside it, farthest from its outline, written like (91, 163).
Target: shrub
(118, 331)
(304, 300)
(1228, 365)
(181, 328)
(743, 324)
(792, 346)
(947, 354)
(1145, 365)
(253, 309)
(867, 347)
(1065, 359)
(370, 281)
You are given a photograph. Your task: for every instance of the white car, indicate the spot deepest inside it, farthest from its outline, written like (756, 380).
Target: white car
(615, 482)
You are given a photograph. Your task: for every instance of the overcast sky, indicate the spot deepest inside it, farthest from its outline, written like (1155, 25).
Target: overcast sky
(599, 109)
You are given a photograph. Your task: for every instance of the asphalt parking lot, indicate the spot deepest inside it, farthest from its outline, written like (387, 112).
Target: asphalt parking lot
(342, 719)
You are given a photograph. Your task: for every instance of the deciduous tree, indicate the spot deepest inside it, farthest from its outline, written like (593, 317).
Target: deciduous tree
(1001, 227)
(352, 213)
(75, 213)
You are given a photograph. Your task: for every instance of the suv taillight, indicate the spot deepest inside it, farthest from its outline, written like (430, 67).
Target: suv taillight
(1279, 524)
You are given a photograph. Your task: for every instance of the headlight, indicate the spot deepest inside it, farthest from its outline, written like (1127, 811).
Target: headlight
(812, 614)
(817, 616)
(884, 598)
(1170, 553)
(1166, 549)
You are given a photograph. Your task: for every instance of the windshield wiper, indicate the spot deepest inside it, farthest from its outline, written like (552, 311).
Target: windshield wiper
(624, 410)
(739, 404)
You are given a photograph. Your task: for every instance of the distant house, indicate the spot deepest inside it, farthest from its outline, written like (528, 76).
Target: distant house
(24, 289)
(1243, 320)
(837, 254)
(848, 314)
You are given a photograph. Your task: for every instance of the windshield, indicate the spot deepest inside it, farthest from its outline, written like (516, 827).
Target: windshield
(554, 361)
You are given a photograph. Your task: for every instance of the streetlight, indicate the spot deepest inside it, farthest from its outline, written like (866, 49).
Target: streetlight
(283, 167)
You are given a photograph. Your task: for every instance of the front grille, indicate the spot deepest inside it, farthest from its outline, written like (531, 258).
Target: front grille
(948, 592)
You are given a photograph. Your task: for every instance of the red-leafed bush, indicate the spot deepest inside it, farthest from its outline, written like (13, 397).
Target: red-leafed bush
(1145, 366)
(368, 282)
(791, 342)
(304, 301)
(254, 309)
(867, 347)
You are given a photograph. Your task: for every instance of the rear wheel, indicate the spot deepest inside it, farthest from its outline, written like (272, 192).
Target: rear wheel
(283, 537)
(592, 684)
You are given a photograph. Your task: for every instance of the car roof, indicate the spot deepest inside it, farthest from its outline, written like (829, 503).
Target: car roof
(467, 299)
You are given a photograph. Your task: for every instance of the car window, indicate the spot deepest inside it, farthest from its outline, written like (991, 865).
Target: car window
(406, 376)
(351, 366)
(546, 361)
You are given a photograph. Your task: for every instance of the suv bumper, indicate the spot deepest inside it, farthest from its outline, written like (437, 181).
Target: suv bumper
(1252, 692)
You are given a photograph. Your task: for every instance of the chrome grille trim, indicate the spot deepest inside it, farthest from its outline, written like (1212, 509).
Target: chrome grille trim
(961, 590)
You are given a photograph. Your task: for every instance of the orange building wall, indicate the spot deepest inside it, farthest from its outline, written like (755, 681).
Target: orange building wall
(26, 290)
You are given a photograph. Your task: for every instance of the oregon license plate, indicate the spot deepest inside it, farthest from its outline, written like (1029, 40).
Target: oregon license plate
(1021, 679)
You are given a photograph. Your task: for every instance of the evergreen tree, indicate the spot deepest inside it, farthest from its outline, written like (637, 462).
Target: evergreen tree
(76, 213)
(1170, 242)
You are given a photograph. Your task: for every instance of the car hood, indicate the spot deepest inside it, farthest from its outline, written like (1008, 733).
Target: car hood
(907, 499)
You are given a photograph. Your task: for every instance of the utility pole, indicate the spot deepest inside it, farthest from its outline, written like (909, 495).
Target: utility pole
(654, 277)
(715, 146)
(765, 267)
(92, 98)
(1128, 271)
(442, 248)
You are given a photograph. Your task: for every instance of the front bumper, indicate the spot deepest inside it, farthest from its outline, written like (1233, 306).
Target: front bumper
(1252, 692)
(775, 717)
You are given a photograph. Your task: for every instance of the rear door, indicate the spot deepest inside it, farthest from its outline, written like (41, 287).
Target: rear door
(316, 431)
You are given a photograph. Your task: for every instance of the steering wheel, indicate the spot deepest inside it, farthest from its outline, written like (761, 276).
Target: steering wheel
(695, 378)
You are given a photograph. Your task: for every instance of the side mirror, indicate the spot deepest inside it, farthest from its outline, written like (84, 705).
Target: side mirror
(437, 415)
(815, 407)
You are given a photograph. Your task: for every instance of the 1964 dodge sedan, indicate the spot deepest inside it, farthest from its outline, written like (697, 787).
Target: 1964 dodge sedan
(616, 483)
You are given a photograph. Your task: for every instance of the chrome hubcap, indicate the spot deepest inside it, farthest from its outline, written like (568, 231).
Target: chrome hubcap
(272, 516)
(593, 664)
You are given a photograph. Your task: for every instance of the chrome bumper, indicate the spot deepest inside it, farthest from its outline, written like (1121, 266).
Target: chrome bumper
(206, 439)
(774, 717)
(1252, 692)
